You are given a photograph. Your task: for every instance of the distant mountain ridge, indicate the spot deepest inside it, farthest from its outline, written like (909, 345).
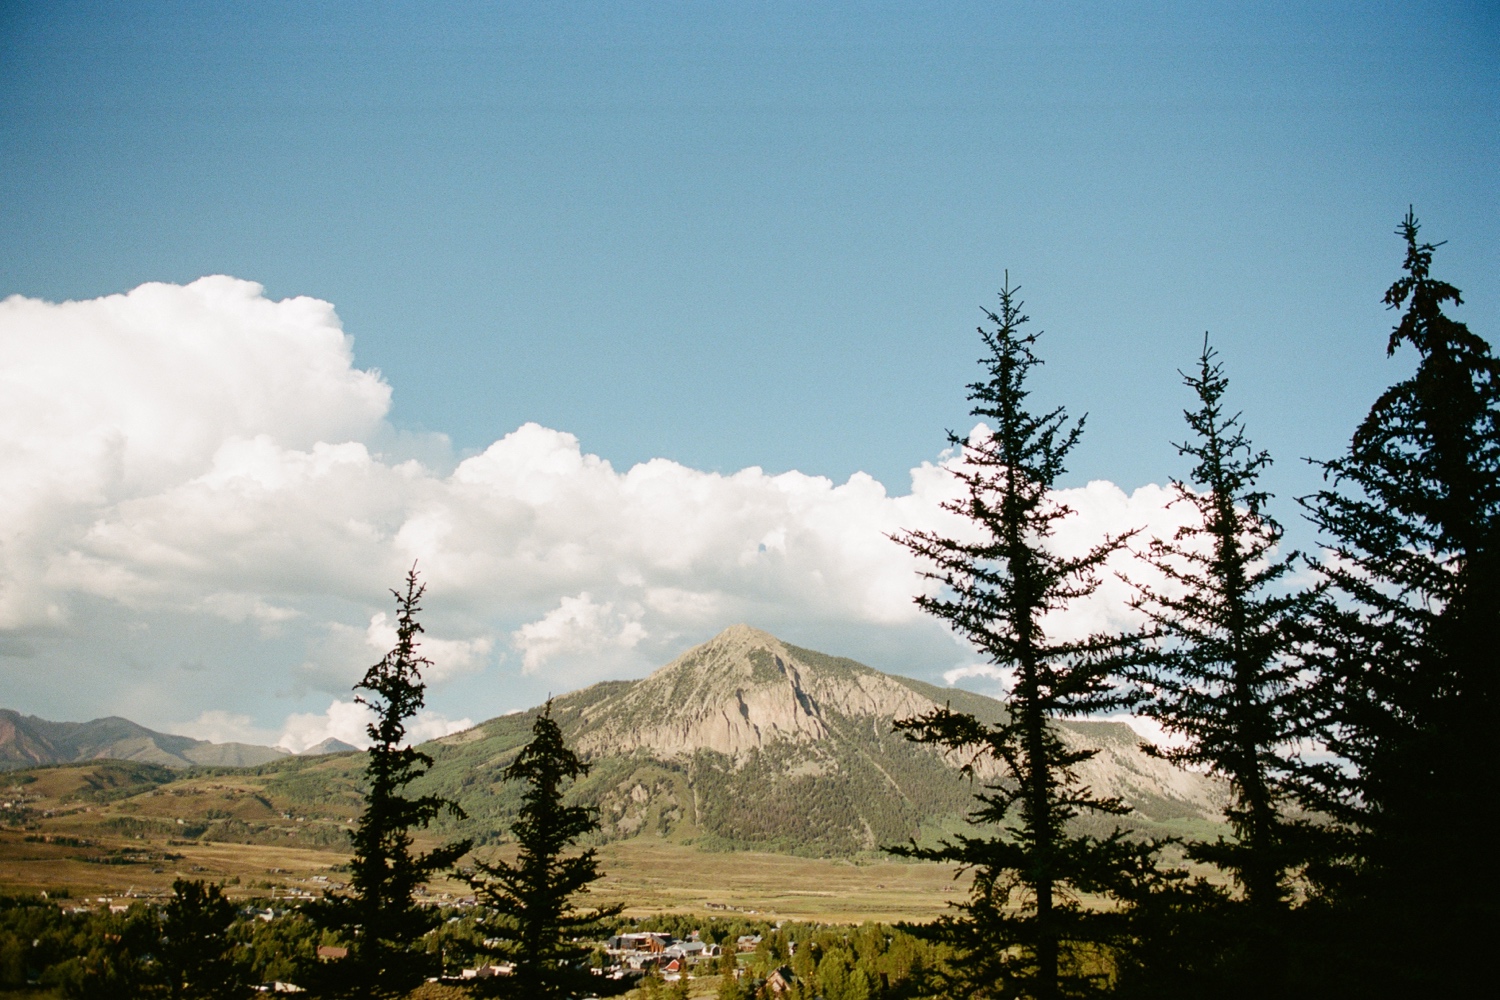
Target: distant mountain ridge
(27, 741)
(748, 742)
(745, 742)
(330, 745)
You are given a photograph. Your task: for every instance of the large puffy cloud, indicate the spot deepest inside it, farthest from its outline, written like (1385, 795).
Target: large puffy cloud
(344, 720)
(349, 722)
(203, 451)
(578, 625)
(110, 400)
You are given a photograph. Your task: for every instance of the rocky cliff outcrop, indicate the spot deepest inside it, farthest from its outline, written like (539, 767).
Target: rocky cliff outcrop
(739, 691)
(746, 694)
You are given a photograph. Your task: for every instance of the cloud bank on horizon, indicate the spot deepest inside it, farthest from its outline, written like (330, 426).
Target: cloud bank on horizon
(202, 463)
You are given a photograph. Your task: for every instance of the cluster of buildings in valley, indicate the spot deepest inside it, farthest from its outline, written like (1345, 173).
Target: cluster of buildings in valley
(647, 950)
(656, 951)
(635, 953)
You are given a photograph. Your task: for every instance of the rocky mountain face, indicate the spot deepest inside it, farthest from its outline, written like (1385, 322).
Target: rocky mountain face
(743, 690)
(26, 741)
(743, 743)
(750, 742)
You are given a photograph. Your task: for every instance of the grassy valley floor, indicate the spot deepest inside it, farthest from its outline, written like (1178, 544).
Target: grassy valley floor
(648, 877)
(663, 877)
(118, 830)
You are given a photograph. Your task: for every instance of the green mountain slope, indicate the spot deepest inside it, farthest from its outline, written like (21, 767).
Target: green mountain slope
(747, 742)
(742, 743)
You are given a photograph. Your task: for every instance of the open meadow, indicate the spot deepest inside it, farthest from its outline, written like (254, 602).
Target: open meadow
(104, 831)
(648, 878)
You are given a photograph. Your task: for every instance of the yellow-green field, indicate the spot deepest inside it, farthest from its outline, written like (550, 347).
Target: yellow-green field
(660, 877)
(71, 840)
(647, 877)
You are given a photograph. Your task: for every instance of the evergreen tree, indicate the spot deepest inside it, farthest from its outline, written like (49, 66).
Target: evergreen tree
(730, 988)
(1222, 675)
(1407, 660)
(1022, 932)
(111, 956)
(385, 871)
(284, 948)
(195, 950)
(535, 894)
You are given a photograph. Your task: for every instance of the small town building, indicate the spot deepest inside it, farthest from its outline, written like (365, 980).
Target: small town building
(780, 981)
(488, 971)
(654, 942)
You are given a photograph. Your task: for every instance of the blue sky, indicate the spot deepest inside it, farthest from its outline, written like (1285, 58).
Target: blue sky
(738, 235)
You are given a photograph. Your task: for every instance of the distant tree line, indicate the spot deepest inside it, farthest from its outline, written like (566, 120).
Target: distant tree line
(197, 944)
(1347, 698)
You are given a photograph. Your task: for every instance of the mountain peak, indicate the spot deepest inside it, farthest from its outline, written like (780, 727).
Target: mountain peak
(329, 745)
(798, 740)
(740, 690)
(742, 635)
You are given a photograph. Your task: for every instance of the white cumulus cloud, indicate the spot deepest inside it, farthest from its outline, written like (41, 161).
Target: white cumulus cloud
(1002, 678)
(578, 626)
(220, 726)
(449, 657)
(113, 399)
(347, 721)
(343, 720)
(199, 473)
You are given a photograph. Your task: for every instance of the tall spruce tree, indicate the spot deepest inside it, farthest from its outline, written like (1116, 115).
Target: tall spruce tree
(1407, 649)
(1223, 676)
(534, 895)
(1022, 932)
(385, 871)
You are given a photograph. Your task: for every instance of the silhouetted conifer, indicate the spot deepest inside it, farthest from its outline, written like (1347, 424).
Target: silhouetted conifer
(1407, 653)
(534, 895)
(194, 949)
(1023, 931)
(1222, 676)
(385, 871)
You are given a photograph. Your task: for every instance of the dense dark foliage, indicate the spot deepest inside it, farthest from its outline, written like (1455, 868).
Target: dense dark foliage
(385, 870)
(196, 945)
(1222, 675)
(194, 949)
(1406, 654)
(534, 895)
(1023, 930)
(1353, 870)
(100, 954)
